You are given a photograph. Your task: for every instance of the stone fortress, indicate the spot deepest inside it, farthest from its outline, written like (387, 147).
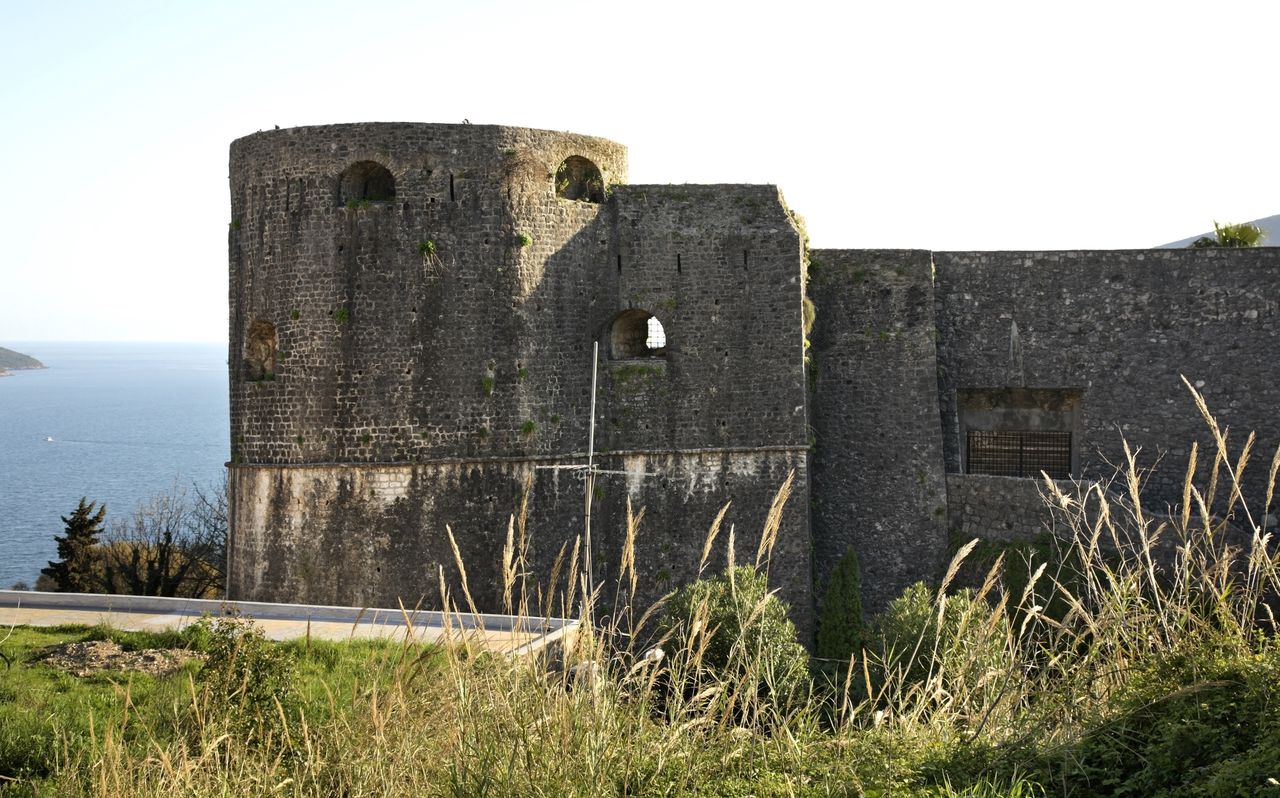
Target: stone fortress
(413, 309)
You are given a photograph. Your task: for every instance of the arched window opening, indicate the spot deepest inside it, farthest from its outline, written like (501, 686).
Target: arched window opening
(260, 351)
(635, 334)
(579, 179)
(364, 182)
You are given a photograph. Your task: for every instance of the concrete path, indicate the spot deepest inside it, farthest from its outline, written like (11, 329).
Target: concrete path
(501, 633)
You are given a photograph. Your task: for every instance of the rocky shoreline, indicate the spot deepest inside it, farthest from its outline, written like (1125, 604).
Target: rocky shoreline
(11, 361)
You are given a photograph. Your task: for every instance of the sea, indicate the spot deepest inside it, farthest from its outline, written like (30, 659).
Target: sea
(117, 423)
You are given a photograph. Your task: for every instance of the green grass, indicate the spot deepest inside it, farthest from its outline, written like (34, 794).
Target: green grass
(52, 722)
(44, 711)
(1149, 676)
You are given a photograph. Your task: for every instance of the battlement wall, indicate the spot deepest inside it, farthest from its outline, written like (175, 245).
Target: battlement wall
(417, 326)
(1111, 331)
(413, 309)
(720, 268)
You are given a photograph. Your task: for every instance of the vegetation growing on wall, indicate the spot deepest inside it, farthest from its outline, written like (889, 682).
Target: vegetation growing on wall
(1232, 236)
(629, 372)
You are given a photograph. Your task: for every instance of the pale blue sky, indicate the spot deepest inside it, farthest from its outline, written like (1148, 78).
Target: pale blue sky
(947, 125)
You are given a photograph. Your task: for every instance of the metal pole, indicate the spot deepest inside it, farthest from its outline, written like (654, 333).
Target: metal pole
(591, 474)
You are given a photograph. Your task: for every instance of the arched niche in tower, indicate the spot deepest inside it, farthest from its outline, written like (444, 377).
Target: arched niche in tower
(580, 180)
(260, 351)
(636, 334)
(364, 182)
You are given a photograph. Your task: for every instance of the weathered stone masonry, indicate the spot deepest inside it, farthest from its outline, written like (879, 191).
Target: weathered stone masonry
(877, 458)
(412, 313)
(1092, 343)
(433, 352)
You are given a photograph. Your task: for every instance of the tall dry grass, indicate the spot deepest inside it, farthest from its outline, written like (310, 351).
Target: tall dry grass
(972, 672)
(1137, 585)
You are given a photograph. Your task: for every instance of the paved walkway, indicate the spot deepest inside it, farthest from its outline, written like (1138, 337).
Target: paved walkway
(281, 621)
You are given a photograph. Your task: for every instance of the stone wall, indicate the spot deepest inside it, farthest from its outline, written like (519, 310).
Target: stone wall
(387, 353)
(1119, 327)
(375, 535)
(996, 508)
(877, 460)
(399, 364)
(413, 309)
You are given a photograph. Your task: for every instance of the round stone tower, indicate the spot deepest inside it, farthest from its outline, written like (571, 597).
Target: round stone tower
(413, 308)
(381, 278)
(398, 295)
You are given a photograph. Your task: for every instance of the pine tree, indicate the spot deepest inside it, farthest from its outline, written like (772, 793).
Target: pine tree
(73, 572)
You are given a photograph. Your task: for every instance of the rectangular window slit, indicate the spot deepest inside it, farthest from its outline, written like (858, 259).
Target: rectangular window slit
(679, 268)
(452, 198)
(744, 259)
(619, 264)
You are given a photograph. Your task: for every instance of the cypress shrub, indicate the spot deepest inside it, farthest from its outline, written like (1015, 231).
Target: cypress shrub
(840, 625)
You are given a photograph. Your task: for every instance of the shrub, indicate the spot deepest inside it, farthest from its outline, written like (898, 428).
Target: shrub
(840, 626)
(246, 675)
(733, 632)
(1199, 722)
(955, 652)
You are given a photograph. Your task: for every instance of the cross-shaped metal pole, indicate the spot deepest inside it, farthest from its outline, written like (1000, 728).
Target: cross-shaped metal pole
(589, 472)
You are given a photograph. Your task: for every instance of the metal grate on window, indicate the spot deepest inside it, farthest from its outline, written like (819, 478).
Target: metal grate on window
(656, 337)
(1018, 453)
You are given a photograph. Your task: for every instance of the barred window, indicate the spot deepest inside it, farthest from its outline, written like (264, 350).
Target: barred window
(1018, 453)
(657, 337)
(637, 333)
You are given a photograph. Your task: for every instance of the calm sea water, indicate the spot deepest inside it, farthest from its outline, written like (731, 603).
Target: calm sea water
(128, 421)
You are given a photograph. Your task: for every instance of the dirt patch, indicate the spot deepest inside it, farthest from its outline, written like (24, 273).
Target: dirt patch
(92, 656)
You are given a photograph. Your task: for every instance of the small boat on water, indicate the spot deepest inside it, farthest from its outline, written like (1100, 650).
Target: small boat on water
(48, 439)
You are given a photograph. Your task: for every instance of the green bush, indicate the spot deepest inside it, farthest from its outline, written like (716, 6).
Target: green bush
(1200, 723)
(245, 675)
(748, 644)
(962, 650)
(840, 626)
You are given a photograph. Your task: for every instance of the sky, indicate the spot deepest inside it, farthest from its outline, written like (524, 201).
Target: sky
(901, 123)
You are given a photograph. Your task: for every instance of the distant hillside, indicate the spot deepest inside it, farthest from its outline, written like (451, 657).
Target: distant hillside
(1270, 225)
(10, 359)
